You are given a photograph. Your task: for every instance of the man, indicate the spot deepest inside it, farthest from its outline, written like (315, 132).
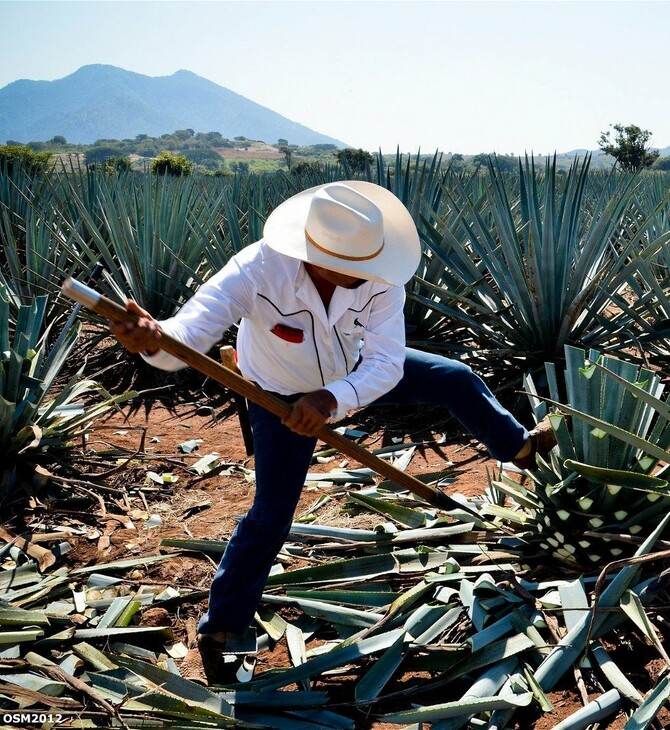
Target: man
(320, 303)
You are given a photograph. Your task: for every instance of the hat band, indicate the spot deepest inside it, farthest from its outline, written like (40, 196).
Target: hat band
(341, 255)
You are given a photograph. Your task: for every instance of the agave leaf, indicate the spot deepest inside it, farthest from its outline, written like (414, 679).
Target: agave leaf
(574, 602)
(176, 685)
(376, 678)
(402, 515)
(374, 597)
(273, 623)
(114, 612)
(616, 477)
(367, 567)
(342, 476)
(280, 699)
(572, 645)
(491, 654)
(494, 631)
(339, 533)
(661, 407)
(618, 433)
(606, 705)
(17, 637)
(465, 707)
(632, 607)
(21, 617)
(538, 692)
(122, 564)
(36, 683)
(615, 676)
(428, 622)
(156, 701)
(649, 709)
(488, 684)
(295, 641)
(163, 632)
(337, 657)
(333, 613)
(216, 547)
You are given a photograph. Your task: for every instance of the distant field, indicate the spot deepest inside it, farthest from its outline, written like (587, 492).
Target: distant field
(255, 151)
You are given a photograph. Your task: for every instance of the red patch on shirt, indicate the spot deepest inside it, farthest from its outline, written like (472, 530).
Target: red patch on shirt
(289, 334)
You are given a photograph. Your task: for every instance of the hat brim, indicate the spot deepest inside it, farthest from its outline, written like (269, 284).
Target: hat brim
(395, 264)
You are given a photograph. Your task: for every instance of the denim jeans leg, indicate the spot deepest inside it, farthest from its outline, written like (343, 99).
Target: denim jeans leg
(435, 380)
(282, 459)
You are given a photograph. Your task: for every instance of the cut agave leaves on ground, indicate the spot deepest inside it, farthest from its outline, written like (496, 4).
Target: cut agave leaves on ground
(411, 629)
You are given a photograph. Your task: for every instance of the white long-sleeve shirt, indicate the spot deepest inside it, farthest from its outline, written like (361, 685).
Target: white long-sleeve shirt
(287, 342)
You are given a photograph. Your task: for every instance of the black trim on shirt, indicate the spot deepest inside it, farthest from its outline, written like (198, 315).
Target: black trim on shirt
(311, 316)
(367, 304)
(358, 400)
(344, 352)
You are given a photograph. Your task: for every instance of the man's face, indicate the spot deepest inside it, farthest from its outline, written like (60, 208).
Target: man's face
(335, 278)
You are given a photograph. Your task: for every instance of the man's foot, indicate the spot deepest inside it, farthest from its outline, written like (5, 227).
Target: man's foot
(201, 665)
(541, 440)
(214, 659)
(216, 641)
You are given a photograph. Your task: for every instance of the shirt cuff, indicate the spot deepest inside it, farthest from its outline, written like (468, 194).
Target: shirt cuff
(346, 396)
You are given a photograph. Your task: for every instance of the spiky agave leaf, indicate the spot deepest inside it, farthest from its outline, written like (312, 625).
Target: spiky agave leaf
(603, 477)
(37, 425)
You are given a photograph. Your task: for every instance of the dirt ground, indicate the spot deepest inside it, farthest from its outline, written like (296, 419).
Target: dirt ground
(207, 507)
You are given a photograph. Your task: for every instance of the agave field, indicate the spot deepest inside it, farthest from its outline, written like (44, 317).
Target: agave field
(386, 611)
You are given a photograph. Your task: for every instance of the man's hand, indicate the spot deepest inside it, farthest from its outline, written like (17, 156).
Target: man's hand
(309, 413)
(140, 336)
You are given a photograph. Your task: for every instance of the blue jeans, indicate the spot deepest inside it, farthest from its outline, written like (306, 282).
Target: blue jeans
(282, 459)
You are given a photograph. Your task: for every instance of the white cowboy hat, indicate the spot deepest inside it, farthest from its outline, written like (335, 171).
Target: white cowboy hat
(353, 227)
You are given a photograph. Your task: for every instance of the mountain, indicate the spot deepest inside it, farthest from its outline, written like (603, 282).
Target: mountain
(106, 102)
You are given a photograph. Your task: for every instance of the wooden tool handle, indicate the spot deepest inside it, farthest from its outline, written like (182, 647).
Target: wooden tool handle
(230, 379)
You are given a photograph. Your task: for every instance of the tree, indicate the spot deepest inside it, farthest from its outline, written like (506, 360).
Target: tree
(120, 164)
(59, 139)
(287, 150)
(100, 154)
(629, 147)
(356, 160)
(168, 164)
(457, 162)
(305, 167)
(207, 158)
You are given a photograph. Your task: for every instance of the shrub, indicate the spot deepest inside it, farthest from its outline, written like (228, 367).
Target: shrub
(11, 155)
(168, 164)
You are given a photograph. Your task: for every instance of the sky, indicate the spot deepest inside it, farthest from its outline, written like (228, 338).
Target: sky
(479, 76)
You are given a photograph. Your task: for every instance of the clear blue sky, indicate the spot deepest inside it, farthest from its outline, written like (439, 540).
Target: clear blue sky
(469, 77)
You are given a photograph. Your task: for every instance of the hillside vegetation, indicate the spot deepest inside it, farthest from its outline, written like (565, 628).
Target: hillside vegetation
(211, 153)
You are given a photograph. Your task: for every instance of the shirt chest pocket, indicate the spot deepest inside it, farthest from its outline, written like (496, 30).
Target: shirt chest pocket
(287, 333)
